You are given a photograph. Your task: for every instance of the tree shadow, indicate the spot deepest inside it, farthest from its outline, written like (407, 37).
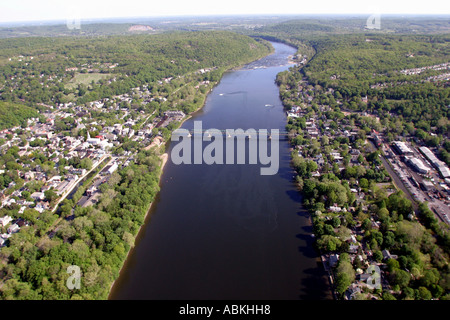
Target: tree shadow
(316, 285)
(308, 249)
(296, 196)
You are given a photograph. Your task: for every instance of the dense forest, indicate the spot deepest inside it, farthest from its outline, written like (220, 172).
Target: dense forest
(12, 115)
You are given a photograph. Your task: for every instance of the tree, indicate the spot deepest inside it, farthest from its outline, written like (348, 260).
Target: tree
(364, 183)
(345, 274)
(343, 281)
(50, 195)
(378, 255)
(401, 278)
(86, 163)
(388, 296)
(423, 293)
(430, 277)
(328, 243)
(336, 222)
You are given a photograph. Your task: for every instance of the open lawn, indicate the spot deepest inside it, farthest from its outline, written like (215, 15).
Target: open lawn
(86, 78)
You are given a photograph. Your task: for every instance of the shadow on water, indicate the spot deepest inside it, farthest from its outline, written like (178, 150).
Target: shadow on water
(308, 249)
(315, 284)
(286, 172)
(295, 196)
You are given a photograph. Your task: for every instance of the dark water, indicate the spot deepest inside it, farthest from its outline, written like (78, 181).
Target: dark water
(225, 231)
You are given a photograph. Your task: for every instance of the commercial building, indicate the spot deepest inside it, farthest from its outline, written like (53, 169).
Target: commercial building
(418, 165)
(438, 164)
(427, 185)
(401, 148)
(444, 171)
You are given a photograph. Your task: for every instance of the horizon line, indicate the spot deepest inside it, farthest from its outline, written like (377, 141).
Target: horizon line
(187, 16)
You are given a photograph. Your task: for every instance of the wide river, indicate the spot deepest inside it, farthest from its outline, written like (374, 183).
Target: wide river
(225, 231)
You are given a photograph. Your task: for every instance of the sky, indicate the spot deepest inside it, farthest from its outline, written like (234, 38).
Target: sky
(44, 10)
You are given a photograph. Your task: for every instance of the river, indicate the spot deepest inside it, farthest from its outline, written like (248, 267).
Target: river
(225, 231)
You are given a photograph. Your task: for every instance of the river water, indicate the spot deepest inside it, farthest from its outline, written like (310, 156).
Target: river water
(225, 231)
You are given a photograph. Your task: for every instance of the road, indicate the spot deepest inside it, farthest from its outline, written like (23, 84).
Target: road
(67, 192)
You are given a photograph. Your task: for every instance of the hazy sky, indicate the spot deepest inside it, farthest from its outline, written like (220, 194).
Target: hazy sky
(34, 10)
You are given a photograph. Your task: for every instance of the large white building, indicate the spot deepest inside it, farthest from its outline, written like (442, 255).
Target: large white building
(444, 171)
(402, 148)
(438, 164)
(418, 165)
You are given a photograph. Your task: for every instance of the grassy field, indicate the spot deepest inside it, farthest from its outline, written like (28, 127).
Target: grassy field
(86, 78)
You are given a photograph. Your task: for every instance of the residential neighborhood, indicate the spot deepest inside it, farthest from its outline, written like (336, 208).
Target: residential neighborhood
(351, 213)
(55, 153)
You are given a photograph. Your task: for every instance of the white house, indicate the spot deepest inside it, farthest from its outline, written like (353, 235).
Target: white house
(13, 228)
(38, 196)
(5, 220)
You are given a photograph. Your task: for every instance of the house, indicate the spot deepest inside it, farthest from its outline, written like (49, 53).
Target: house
(55, 179)
(387, 255)
(363, 277)
(335, 209)
(112, 168)
(21, 223)
(8, 202)
(5, 236)
(401, 148)
(41, 206)
(352, 291)
(353, 248)
(110, 136)
(29, 175)
(333, 260)
(5, 220)
(417, 165)
(13, 228)
(38, 196)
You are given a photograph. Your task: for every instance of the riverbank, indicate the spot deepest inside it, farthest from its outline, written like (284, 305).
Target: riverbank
(164, 158)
